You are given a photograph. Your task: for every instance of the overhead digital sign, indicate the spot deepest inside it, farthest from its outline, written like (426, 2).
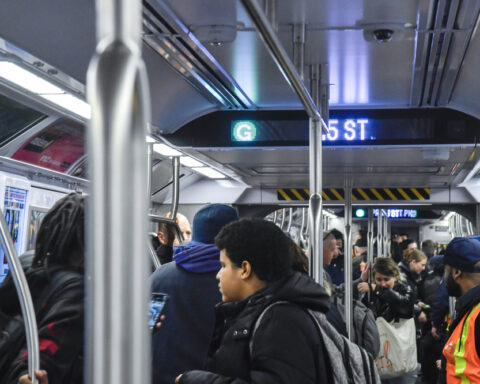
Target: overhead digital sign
(397, 213)
(338, 130)
(345, 128)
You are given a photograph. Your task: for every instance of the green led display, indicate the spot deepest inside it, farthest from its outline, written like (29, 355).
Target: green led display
(244, 131)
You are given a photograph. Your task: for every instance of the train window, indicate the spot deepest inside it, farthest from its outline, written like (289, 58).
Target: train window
(15, 118)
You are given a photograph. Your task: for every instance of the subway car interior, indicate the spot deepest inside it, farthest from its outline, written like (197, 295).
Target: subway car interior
(370, 105)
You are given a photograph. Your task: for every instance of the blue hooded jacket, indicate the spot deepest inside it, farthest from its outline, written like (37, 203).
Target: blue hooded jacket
(197, 257)
(181, 344)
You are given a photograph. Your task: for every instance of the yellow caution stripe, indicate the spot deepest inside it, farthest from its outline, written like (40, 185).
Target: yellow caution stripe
(363, 194)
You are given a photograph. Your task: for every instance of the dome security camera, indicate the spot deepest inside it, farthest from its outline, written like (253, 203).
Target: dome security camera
(383, 35)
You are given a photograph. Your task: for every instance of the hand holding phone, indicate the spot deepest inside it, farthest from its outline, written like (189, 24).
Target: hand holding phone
(157, 304)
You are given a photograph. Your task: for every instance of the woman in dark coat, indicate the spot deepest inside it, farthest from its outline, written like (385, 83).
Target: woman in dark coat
(286, 347)
(392, 299)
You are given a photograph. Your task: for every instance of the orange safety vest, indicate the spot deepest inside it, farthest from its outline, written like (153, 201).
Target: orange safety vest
(463, 362)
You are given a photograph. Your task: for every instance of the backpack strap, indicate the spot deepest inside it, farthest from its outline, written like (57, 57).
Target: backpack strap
(259, 320)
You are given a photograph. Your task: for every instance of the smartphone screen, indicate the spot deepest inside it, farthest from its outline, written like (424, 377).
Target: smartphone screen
(156, 308)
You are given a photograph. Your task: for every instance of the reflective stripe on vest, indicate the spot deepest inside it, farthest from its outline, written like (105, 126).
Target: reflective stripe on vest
(463, 363)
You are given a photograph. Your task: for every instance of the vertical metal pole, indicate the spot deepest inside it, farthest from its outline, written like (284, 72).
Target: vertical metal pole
(303, 230)
(470, 228)
(299, 48)
(324, 92)
(459, 225)
(315, 203)
(477, 219)
(385, 236)
(348, 257)
(149, 173)
(176, 186)
(370, 244)
(290, 218)
(24, 297)
(379, 233)
(451, 306)
(282, 223)
(270, 9)
(370, 236)
(118, 343)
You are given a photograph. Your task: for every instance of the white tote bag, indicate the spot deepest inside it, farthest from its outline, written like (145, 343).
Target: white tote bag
(398, 348)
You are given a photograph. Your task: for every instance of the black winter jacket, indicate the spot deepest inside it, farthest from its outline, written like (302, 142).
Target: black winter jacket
(411, 278)
(286, 349)
(391, 304)
(60, 322)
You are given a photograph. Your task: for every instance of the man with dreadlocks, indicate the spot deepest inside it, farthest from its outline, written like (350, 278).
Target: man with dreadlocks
(56, 283)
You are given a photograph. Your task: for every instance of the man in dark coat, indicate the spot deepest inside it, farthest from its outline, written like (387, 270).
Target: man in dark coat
(286, 347)
(182, 341)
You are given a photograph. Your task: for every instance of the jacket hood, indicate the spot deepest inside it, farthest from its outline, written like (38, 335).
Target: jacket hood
(298, 288)
(197, 257)
(301, 289)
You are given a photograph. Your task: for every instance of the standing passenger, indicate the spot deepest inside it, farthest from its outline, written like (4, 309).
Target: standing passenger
(182, 341)
(391, 299)
(168, 240)
(286, 347)
(56, 283)
(462, 274)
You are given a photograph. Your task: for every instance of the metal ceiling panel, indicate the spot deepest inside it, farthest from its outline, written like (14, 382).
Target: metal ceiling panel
(379, 167)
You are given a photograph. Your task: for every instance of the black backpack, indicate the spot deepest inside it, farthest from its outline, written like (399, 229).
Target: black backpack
(350, 363)
(12, 328)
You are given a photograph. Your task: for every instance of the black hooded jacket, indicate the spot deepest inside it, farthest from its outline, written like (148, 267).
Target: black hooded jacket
(60, 324)
(287, 347)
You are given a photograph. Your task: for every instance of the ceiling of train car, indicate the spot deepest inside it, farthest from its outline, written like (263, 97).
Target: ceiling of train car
(369, 167)
(423, 65)
(360, 71)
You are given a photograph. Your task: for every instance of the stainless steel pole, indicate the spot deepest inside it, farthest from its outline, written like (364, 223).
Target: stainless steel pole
(315, 203)
(348, 257)
(299, 48)
(385, 236)
(370, 236)
(24, 297)
(477, 219)
(370, 244)
(282, 223)
(270, 7)
(451, 306)
(117, 348)
(176, 186)
(379, 234)
(303, 239)
(290, 219)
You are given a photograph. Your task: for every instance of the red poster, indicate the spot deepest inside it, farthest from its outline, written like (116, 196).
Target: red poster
(56, 147)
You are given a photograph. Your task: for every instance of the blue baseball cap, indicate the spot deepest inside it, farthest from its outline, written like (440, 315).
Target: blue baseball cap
(463, 253)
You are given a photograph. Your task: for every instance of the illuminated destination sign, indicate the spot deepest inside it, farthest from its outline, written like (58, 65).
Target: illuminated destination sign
(349, 128)
(338, 130)
(397, 213)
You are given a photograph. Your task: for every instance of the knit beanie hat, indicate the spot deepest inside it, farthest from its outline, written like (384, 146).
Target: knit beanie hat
(208, 221)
